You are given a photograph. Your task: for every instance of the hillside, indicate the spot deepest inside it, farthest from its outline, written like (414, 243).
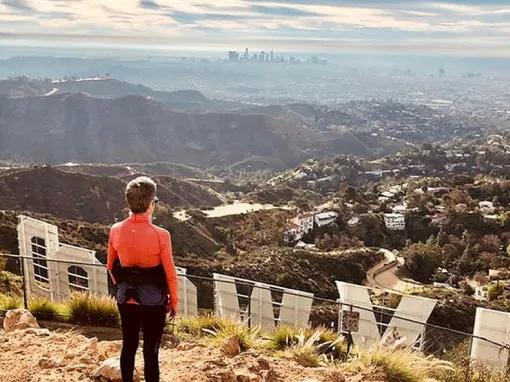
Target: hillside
(104, 87)
(78, 128)
(88, 197)
(109, 121)
(128, 169)
(69, 196)
(24, 87)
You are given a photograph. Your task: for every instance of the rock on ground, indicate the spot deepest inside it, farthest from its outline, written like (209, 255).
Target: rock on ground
(230, 346)
(19, 319)
(109, 370)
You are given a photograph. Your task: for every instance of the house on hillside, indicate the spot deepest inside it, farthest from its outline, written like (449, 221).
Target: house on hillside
(325, 218)
(304, 222)
(487, 207)
(300, 225)
(481, 292)
(395, 222)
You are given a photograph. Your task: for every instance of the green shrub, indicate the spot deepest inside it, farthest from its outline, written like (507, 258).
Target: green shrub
(246, 336)
(399, 364)
(43, 308)
(200, 325)
(8, 302)
(494, 291)
(93, 310)
(326, 342)
(10, 283)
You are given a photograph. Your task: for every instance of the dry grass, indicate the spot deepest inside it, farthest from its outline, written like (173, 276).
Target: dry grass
(467, 371)
(326, 342)
(399, 364)
(201, 325)
(247, 337)
(44, 309)
(8, 302)
(93, 310)
(306, 350)
(217, 329)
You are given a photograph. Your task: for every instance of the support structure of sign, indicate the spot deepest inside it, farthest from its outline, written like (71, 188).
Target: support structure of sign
(494, 326)
(294, 308)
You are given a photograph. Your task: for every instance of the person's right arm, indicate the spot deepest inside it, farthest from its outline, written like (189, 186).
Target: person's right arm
(171, 273)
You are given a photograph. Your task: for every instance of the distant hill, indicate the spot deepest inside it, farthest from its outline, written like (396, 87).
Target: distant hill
(187, 100)
(78, 128)
(85, 197)
(24, 87)
(391, 123)
(126, 169)
(69, 196)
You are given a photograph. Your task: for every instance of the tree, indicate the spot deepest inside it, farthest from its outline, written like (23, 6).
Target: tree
(350, 193)
(494, 291)
(422, 259)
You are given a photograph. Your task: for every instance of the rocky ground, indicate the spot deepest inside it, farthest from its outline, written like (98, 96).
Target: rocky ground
(31, 354)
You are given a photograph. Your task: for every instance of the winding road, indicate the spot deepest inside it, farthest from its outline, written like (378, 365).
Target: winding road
(384, 275)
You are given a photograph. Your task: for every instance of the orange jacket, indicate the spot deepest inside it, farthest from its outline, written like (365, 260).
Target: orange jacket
(139, 243)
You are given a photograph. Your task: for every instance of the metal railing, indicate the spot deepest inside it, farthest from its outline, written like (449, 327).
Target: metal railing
(435, 334)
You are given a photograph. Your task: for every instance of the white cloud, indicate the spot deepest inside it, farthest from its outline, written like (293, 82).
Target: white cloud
(227, 20)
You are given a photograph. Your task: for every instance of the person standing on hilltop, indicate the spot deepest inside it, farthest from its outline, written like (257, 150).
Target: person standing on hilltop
(142, 268)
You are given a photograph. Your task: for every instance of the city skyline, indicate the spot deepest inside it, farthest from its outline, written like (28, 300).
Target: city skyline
(461, 27)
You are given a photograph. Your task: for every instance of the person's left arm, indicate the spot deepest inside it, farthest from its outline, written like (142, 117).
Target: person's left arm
(112, 254)
(171, 273)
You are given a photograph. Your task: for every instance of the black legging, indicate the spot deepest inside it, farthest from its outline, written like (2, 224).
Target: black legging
(151, 319)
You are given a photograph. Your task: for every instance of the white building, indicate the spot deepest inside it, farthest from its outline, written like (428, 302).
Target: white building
(487, 207)
(304, 222)
(325, 218)
(300, 225)
(395, 221)
(481, 292)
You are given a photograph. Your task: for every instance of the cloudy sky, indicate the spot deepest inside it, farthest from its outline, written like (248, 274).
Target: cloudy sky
(460, 27)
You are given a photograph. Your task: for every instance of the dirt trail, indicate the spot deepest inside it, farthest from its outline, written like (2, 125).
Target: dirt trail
(37, 355)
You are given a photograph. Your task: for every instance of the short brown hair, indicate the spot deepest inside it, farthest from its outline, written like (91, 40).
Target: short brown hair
(140, 192)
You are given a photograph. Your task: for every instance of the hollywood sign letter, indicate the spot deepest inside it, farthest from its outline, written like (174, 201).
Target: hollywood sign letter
(55, 280)
(495, 326)
(410, 308)
(294, 309)
(188, 299)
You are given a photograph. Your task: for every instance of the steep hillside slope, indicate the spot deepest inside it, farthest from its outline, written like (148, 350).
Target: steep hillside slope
(24, 87)
(70, 196)
(88, 197)
(78, 128)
